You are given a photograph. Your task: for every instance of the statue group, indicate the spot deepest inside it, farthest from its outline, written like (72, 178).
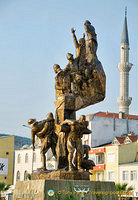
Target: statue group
(80, 84)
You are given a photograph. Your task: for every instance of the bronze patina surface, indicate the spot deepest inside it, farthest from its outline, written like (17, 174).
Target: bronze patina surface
(80, 84)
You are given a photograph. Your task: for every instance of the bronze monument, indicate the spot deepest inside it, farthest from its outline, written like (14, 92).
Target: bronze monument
(80, 84)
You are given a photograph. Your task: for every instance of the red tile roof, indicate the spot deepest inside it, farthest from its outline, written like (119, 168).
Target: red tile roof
(112, 115)
(120, 139)
(133, 138)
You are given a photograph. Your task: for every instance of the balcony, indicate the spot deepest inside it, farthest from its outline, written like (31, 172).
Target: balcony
(99, 167)
(97, 150)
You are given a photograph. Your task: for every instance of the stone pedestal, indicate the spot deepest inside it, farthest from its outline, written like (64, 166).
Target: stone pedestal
(59, 189)
(60, 175)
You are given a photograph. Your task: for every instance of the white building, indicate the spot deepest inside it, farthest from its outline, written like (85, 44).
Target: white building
(27, 161)
(105, 126)
(128, 173)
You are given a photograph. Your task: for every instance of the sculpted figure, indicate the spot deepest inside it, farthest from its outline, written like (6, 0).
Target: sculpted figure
(75, 130)
(71, 69)
(72, 65)
(82, 82)
(78, 84)
(86, 149)
(46, 132)
(86, 163)
(80, 51)
(62, 81)
(92, 37)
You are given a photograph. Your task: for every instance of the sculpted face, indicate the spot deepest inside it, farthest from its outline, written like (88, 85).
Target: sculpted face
(87, 22)
(56, 68)
(31, 122)
(69, 56)
(82, 118)
(50, 116)
(82, 42)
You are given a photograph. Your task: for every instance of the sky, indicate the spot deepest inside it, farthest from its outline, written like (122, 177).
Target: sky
(36, 34)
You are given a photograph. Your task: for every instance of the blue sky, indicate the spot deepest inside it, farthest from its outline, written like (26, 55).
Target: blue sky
(35, 34)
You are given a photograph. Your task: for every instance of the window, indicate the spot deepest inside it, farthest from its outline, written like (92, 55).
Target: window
(25, 175)
(18, 158)
(18, 176)
(133, 175)
(127, 140)
(111, 157)
(26, 157)
(136, 194)
(100, 158)
(115, 141)
(125, 175)
(100, 176)
(34, 157)
(92, 157)
(111, 175)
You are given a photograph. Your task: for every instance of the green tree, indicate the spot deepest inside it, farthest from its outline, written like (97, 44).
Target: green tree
(121, 188)
(3, 187)
(29, 176)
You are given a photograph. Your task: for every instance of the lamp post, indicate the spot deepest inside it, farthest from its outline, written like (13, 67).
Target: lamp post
(32, 149)
(26, 126)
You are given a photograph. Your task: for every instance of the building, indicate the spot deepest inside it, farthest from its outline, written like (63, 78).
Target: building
(117, 161)
(27, 161)
(6, 159)
(7, 146)
(105, 126)
(128, 172)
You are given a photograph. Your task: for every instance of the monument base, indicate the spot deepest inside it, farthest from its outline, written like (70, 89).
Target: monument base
(61, 175)
(61, 189)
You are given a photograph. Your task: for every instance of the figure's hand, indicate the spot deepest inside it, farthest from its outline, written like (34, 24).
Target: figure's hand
(73, 30)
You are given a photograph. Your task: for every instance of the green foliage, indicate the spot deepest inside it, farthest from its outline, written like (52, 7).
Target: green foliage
(120, 187)
(4, 186)
(123, 188)
(130, 188)
(99, 197)
(29, 176)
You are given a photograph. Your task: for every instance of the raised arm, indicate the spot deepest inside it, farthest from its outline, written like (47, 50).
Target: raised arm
(74, 38)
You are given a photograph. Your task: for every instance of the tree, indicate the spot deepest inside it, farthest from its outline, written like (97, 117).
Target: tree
(3, 187)
(29, 176)
(121, 188)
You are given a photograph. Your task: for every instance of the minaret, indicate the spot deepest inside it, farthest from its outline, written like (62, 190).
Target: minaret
(124, 67)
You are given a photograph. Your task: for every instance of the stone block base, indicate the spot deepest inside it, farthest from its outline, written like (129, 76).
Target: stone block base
(61, 189)
(60, 175)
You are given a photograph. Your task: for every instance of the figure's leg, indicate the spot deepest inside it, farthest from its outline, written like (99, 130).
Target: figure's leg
(43, 159)
(71, 149)
(70, 158)
(43, 151)
(79, 149)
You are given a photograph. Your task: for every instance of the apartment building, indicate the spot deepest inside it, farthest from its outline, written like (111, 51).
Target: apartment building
(117, 161)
